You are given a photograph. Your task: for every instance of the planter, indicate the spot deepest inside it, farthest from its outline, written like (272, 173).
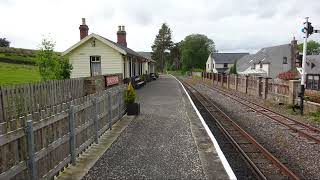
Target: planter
(133, 109)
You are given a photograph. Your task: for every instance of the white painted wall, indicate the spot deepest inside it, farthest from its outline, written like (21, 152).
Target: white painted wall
(111, 60)
(265, 67)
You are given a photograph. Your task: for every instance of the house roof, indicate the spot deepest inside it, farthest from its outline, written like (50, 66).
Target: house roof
(268, 55)
(230, 58)
(118, 47)
(147, 55)
(313, 64)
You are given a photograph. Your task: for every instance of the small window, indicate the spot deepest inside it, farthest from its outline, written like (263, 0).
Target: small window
(95, 65)
(261, 65)
(225, 65)
(212, 66)
(253, 66)
(285, 60)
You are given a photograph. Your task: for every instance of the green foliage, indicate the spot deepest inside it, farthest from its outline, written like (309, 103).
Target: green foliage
(129, 94)
(162, 43)
(315, 116)
(51, 64)
(194, 50)
(18, 73)
(233, 69)
(313, 48)
(197, 70)
(4, 42)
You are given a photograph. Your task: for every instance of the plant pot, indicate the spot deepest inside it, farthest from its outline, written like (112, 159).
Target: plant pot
(133, 109)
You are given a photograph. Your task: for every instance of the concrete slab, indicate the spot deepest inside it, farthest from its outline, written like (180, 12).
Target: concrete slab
(167, 141)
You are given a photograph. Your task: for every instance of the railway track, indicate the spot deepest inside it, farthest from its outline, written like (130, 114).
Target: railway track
(263, 164)
(305, 130)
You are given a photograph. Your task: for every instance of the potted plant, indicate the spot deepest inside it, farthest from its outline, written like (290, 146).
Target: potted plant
(130, 96)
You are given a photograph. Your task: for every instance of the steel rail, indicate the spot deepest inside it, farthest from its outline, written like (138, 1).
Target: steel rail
(265, 152)
(263, 110)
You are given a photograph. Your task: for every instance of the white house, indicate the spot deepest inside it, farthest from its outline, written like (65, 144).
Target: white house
(269, 61)
(221, 62)
(96, 55)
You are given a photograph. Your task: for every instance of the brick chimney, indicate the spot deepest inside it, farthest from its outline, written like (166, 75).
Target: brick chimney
(84, 29)
(294, 51)
(121, 36)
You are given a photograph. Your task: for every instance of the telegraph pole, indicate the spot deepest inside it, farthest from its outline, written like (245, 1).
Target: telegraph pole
(303, 75)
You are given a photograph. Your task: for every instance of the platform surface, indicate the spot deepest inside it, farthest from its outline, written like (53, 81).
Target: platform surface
(166, 141)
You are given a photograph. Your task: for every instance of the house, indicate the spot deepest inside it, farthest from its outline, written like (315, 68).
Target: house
(96, 55)
(150, 65)
(269, 61)
(313, 72)
(221, 62)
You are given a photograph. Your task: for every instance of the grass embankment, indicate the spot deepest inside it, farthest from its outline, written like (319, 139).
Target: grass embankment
(18, 73)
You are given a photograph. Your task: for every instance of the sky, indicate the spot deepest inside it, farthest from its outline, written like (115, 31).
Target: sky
(234, 25)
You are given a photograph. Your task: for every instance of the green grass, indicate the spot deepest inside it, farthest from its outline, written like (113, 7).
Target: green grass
(16, 57)
(315, 116)
(18, 74)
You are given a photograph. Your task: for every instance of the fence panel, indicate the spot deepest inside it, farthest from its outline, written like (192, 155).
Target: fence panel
(51, 130)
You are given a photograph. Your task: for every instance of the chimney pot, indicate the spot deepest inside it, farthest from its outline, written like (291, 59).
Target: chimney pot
(84, 29)
(121, 36)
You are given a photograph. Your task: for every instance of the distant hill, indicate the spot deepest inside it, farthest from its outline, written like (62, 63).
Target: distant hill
(17, 55)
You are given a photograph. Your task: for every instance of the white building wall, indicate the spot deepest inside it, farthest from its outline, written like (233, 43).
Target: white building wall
(111, 60)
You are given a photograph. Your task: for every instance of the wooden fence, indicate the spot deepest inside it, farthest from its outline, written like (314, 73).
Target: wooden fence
(39, 145)
(19, 100)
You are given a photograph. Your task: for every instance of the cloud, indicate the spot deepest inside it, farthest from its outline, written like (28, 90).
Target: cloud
(233, 25)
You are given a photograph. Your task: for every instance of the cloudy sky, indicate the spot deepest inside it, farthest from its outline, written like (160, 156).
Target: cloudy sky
(234, 25)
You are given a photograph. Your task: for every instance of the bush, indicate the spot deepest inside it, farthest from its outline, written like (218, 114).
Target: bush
(312, 95)
(197, 70)
(292, 74)
(129, 94)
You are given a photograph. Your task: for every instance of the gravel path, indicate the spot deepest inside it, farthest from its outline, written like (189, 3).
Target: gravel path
(158, 144)
(301, 156)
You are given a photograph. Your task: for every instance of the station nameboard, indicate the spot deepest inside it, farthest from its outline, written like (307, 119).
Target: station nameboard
(111, 80)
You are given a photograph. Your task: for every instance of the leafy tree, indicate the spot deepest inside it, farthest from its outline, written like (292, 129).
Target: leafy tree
(195, 50)
(51, 64)
(4, 42)
(233, 69)
(175, 56)
(313, 48)
(162, 43)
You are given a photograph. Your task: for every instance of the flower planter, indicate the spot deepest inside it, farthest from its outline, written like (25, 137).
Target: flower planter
(133, 109)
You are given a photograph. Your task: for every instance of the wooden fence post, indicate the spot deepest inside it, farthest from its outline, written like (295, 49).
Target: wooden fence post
(30, 145)
(246, 83)
(228, 81)
(72, 141)
(265, 88)
(118, 102)
(95, 118)
(109, 110)
(236, 82)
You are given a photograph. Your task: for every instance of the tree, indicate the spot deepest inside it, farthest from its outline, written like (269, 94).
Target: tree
(4, 42)
(175, 62)
(51, 64)
(313, 48)
(195, 50)
(162, 43)
(233, 68)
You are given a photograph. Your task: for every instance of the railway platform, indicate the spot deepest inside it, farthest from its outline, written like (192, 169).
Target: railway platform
(166, 141)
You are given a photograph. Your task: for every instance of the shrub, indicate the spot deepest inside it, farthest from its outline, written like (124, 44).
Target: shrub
(129, 94)
(197, 70)
(312, 95)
